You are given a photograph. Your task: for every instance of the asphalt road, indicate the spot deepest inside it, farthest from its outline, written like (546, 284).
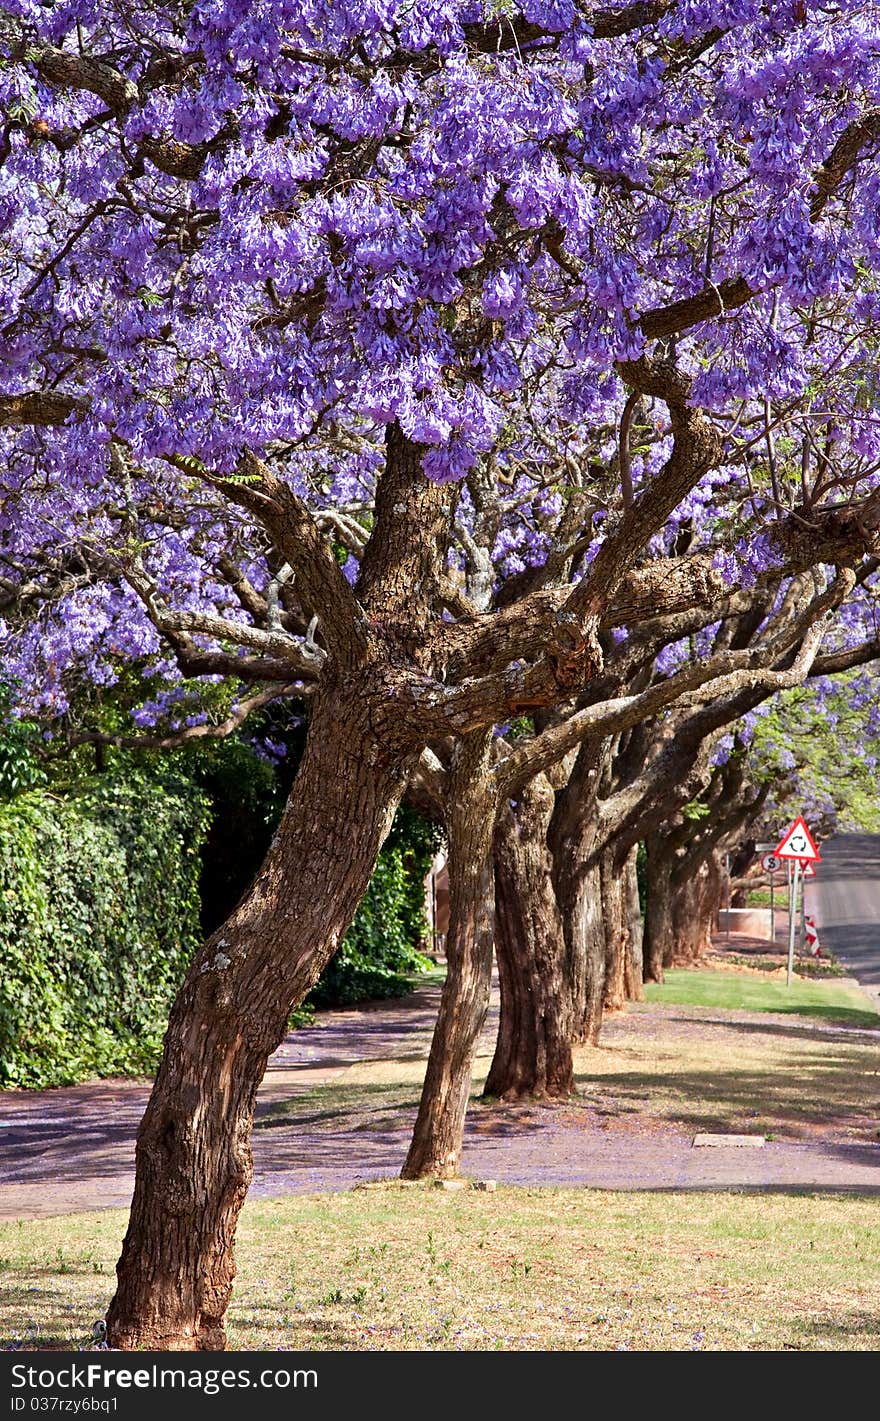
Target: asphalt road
(845, 900)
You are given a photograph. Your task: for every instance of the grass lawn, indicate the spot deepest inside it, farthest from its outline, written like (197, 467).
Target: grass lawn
(414, 1267)
(760, 898)
(836, 1002)
(805, 1067)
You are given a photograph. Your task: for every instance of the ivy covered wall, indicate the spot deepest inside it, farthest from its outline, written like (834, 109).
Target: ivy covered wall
(99, 913)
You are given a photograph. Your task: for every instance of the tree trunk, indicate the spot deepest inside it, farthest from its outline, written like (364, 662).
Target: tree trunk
(439, 1130)
(615, 927)
(579, 894)
(193, 1164)
(533, 1054)
(716, 891)
(578, 889)
(634, 963)
(696, 896)
(659, 933)
(685, 899)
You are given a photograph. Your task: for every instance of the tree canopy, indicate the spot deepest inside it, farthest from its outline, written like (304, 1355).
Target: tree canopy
(635, 242)
(458, 368)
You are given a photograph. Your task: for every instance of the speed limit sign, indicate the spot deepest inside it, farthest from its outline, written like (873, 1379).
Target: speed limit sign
(771, 864)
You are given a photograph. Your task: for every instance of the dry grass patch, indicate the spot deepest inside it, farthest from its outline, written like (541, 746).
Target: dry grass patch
(705, 1068)
(779, 1083)
(417, 1268)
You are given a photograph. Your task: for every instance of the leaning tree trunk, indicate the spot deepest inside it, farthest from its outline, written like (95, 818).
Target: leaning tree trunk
(578, 889)
(439, 1130)
(615, 923)
(659, 929)
(193, 1164)
(533, 1053)
(634, 965)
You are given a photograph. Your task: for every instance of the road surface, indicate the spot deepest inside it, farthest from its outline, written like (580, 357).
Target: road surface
(844, 897)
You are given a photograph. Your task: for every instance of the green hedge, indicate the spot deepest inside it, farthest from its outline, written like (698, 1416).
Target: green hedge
(99, 913)
(100, 906)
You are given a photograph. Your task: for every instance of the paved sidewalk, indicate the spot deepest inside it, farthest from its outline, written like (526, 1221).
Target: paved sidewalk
(72, 1149)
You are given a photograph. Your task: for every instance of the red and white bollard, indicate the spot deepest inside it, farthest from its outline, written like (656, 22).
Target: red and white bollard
(812, 938)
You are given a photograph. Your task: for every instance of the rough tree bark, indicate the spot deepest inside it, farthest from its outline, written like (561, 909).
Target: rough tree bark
(634, 965)
(193, 1147)
(696, 897)
(439, 1130)
(533, 1053)
(659, 930)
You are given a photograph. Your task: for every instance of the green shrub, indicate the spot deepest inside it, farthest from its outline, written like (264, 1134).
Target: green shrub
(20, 768)
(103, 883)
(98, 916)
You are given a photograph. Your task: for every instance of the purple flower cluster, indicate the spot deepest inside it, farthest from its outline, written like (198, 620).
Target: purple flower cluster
(287, 224)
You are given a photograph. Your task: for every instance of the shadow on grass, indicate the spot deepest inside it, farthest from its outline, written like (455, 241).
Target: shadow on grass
(331, 1333)
(832, 1033)
(811, 1090)
(864, 1325)
(837, 1016)
(68, 1269)
(50, 1321)
(338, 1103)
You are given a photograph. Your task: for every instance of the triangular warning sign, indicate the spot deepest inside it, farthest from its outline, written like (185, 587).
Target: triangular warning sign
(807, 869)
(797, 843)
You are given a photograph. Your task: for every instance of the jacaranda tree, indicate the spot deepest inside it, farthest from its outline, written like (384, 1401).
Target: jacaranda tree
(265, 260)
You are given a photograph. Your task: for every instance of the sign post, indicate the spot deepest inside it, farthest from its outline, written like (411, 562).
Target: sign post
(803, 926)
(797, 848)
(771, 864)
(792, 916)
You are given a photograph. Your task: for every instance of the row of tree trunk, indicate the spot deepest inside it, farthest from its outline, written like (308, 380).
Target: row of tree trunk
(561, 906)
(530, 879)
(375, 707)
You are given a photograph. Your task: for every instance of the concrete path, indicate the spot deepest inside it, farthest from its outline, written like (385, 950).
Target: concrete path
(72, 1149)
